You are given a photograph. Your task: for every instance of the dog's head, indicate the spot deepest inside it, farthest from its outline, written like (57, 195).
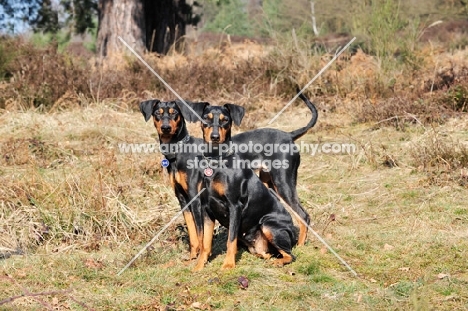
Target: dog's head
(217, 120)
(168, 117)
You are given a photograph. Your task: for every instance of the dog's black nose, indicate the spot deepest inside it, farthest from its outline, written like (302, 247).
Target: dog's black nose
(166, 128)
(214, 137)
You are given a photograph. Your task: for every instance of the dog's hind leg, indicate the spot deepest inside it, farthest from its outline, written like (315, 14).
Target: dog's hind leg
(284, 260)
(285, 187)
(281, 239)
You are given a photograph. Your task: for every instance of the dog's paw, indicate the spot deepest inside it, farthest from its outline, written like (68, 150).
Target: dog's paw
(228, 265)
(188, 258)
(265, 256)
(193, 255)
(278, 263)
(199, 266)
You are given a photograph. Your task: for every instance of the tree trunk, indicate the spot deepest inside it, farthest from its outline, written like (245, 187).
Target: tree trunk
(165, 23)
(124, 18)
(152, 24)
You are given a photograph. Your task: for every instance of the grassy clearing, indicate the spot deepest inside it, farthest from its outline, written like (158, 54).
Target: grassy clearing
(75, 211)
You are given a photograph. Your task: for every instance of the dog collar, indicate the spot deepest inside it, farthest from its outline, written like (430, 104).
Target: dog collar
(208, 171)
(172, 155)
(226, 155)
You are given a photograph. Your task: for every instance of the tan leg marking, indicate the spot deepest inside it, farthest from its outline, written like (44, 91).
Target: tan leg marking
(192, 233)
(207, 241)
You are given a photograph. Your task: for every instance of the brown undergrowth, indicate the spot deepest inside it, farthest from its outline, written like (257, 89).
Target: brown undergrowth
(429, 85)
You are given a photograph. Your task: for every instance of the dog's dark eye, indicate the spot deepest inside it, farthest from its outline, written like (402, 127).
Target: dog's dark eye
(173, 112)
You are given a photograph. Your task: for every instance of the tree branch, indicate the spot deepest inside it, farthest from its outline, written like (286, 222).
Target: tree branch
(314, 24)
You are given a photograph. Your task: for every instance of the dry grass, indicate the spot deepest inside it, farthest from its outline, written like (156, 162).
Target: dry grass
(442, 157)
(61, 174)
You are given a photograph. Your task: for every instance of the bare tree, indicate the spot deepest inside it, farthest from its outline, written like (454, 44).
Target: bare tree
(154, 25)
(165, 23)
(123, 18)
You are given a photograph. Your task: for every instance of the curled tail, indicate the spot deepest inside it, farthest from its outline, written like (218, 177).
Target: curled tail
(299, 132)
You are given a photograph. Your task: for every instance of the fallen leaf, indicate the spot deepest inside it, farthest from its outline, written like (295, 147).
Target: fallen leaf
(373, 281)
(243, 281)
(330, 296)
(406, 269)
(55, 301)
(388, 247)
(21, 273)
(196, 305)
(323, 250)
(169, 264)
(213, 280)
(451, 297)
(441, 276)
(95, 264)
(359, 298)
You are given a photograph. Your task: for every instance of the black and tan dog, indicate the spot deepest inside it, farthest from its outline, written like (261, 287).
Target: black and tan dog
(241, 202)
(283, 179)
(179, 148)
(237, 197)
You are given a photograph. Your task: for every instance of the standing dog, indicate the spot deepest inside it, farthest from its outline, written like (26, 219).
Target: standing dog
(179, 148)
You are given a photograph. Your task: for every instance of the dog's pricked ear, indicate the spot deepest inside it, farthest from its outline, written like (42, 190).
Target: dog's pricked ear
(147, 106)
(237, 113)
(196, 111)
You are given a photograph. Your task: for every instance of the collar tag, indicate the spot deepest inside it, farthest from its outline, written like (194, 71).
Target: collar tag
(208, 172)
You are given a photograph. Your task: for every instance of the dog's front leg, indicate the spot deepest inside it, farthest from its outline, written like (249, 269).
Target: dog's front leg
(234, 224)
(190, 221)
(192, 233)
(206, 243)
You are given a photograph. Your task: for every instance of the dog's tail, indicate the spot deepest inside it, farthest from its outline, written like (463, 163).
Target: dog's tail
(299, 132)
